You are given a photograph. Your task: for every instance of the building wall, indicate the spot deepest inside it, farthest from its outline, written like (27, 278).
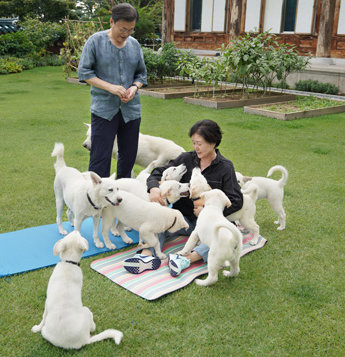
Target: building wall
(258, 15)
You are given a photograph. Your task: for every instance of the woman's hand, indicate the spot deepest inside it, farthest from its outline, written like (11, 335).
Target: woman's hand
(155, 196)
(197, 210)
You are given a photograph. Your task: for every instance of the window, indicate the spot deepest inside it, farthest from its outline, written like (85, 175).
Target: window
(289, 15)
(196, 10)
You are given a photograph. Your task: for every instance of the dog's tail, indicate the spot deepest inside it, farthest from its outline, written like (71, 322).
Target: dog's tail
(116, 335)
(282, 169)
(58, 152)
(234, 243)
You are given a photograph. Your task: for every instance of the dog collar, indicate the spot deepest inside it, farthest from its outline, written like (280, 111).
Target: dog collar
(91, 203)
(72, 262)
(195, 199)
(172, 224)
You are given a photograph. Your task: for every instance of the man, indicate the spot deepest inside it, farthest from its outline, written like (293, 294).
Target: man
(112, 63)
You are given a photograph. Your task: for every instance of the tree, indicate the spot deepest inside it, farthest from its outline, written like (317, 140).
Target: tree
(45, 10)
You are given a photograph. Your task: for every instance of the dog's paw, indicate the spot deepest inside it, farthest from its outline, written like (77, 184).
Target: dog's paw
(128, 241)
(232, 273)
(63, 232)
(181, 252)
(280, 228)
(115, 232)
(200, 282)
(254, 241)
(36, 329)
(128, 229)
(162, 256)
(111, 246)
(99, 244)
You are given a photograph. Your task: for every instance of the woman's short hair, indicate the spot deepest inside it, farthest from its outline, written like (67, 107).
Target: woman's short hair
(208, 129)
(124, 11)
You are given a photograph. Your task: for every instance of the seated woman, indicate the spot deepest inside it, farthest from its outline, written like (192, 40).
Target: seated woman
(219, 173)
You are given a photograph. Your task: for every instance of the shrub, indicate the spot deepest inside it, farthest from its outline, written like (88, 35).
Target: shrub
(316, 87)
(9, 65)
(259, 59)
(16, 44)
(163, 63)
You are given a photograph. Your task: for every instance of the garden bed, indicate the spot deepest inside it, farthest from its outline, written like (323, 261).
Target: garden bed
(300, 108)
(177, 91)
(235, 99)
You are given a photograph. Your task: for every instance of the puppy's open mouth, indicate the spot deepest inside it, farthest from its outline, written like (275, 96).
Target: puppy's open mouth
(184, 194)
(117, 203)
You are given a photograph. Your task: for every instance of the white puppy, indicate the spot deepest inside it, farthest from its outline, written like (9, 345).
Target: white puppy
(148, 218)
(172, 191)
(153, 151)
(66, 322)
(171, 173)
(84, 198)
(273, 190)
(246, 215)
(221, 236)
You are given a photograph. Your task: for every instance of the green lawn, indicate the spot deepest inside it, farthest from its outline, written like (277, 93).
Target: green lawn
(288, 299)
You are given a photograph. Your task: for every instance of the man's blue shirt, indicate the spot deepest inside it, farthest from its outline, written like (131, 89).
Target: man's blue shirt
(121, 66)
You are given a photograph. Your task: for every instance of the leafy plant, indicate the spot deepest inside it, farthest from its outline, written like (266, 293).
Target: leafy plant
(258, 59)
(163, 63)
(316, 87)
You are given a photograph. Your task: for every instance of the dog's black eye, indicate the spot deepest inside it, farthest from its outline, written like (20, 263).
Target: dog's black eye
(111, 190)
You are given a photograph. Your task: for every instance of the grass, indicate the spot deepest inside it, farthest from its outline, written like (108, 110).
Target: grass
(289, 297)
(303, 104)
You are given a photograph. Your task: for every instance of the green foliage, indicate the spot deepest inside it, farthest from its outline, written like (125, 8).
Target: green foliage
(31, 46)
(9, 65)
(316, 87)
(77, 34)
(16, 44)
(163, 63)
(14, 65)
(258, 59)
(47, 10)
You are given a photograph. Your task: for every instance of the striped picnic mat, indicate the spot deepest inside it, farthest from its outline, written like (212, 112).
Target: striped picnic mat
(153, 284)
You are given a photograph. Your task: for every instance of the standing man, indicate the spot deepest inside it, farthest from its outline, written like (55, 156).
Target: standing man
(112, 63)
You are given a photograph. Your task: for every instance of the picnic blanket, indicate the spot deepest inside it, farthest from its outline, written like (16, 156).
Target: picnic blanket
(32, 248)
(153, 284)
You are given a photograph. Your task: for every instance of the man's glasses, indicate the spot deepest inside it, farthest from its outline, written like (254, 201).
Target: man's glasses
(124, 31)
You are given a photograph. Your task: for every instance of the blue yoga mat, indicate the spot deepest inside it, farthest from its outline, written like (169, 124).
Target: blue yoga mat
(32, 248)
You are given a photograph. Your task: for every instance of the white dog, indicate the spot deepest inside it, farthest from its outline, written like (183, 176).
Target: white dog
(84, 198)
(66, 322)
(198, 185)
(153, 151)
(221, 236)
(273, 190)
(172, 191)
(171, 173)
(148, 218)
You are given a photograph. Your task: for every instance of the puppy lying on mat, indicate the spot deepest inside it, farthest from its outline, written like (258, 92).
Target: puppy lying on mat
(66, 322)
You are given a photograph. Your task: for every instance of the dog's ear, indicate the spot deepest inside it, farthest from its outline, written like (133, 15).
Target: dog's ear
(59, 246)
(165, 192)
(87, 125)
(96, 180)
(246, 179)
